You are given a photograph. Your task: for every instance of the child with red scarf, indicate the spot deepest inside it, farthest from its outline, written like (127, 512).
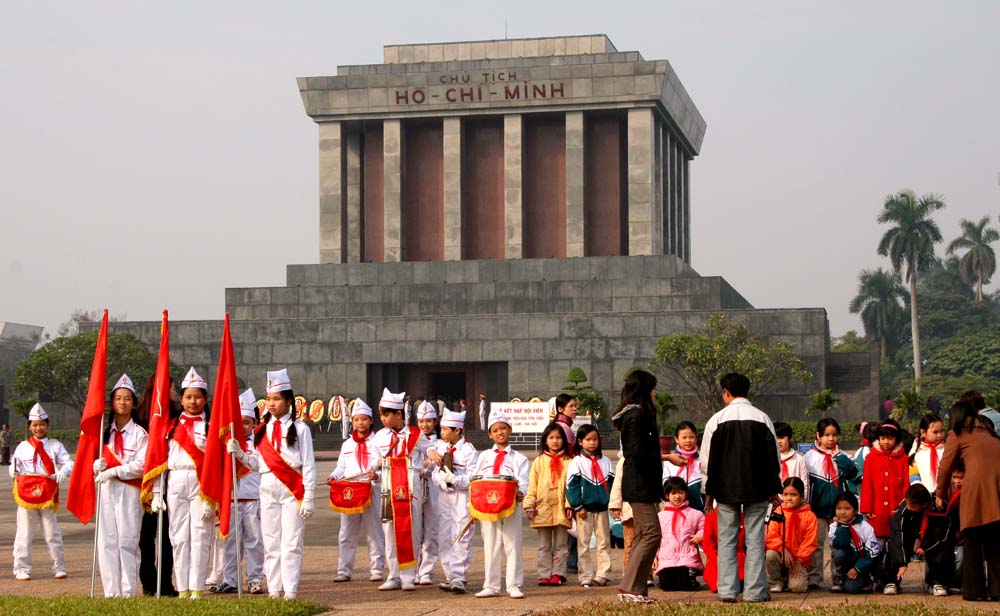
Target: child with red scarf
(928, 449)
(682, 527)
(686, 437)
(547, 508)
(886, 477)
(588, 491)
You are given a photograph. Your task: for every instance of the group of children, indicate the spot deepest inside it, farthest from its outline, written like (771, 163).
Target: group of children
(874, 513)
(416, 492)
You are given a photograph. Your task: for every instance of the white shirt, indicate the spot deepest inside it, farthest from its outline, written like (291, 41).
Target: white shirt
(347, 462)
(300, 457)
(23, 460)
(383, 438)
(249, 484)
(133, 455)
(515, 465)
(177, 458)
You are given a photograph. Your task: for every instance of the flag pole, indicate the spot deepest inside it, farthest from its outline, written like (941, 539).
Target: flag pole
(159, 541)
(236, 508)
(97, 515)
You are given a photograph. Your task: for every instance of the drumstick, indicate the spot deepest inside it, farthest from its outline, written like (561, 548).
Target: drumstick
(351, 478)
(464, 530)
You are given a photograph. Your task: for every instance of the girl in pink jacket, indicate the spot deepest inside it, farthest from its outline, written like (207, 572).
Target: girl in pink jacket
(678, 562)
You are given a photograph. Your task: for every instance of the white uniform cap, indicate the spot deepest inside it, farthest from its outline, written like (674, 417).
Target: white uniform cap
(277, 380)
(453, 419)
(426, 410)
(360, 408)
(124, 383)
(248, 404)
(193, 379)
(37, 413)
(497, 416)
(390, 400)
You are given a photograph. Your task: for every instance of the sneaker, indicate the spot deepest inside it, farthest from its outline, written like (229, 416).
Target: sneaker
(255, 588)
(727, 599)
(515, 593)
(60, 575)
(777, 588)
(836, 588)
(195, 595)
(23, 576)
(376, 577)
(487, 592)
(183, 594)
(625, 597)
(557, 580)
(458, 587)
(585, 583)
(289, 597)
(600, 581)
(409, 586)
(424, 582)
(939, 591)
(890, 589)
(445, 586)
(223, 588)
(545, 581)
(342, 578)
(391, 585)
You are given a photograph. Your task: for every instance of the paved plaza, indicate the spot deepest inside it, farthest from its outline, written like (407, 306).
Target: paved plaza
(360, 597)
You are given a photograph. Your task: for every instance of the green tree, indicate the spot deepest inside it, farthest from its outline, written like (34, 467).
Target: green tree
(589, 400)
(910, 244)
(909, 404)
(878, 303)
(979, 261)
(822, 401)
(850, 342)
(698, 360)
(60, 370)
(665, 405)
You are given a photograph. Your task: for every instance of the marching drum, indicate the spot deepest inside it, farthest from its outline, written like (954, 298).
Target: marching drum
(350, 496)
(492, 497)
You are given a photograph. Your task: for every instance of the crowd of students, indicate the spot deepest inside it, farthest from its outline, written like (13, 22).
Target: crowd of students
(416, 493)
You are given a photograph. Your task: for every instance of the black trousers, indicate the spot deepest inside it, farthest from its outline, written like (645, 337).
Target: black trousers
(981, 565)
(677, 578)
(147, 553)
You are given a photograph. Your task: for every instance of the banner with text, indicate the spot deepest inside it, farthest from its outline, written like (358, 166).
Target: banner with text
(525, 416)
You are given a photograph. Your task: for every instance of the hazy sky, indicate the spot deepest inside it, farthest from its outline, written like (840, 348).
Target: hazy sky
(152, 155)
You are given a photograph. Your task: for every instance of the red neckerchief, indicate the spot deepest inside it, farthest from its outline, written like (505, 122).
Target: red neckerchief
(678, 515)
(555, 466)
(829, 466)
(184, 437)
(784, 466)
(690, 456)
(40, 453)
(596, 472)
(360, 450)
(855, 538)
(498, 460)
(934, 456)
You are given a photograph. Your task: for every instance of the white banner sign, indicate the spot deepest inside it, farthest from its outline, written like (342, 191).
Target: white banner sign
(525, 416)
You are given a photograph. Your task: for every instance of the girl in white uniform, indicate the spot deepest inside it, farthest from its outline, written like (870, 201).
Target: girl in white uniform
(118, 471)
(427, 422)
(284, 453)
(191, 520)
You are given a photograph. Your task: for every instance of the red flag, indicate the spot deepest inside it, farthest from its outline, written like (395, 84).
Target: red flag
(82, 499)
(159, 417)
(217, 473)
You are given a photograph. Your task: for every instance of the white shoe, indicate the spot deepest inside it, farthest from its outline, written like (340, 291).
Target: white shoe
(939, 591)
(342, 578)
(60, 575)
(777, 588)
(289, 597)
(890, 589)
(486, 593)
(23, 576)
(515, 593)
(409, 586)
(391, 585)
(376, 577)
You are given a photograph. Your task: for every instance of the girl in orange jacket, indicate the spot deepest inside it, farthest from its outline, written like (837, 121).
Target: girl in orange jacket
(791, 540)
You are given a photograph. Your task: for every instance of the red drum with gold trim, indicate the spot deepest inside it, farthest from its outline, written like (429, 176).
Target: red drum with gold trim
(492, 498)
(350, 496)
(36, 492)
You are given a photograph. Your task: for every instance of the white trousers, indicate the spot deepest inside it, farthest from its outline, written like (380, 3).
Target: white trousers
(594, 524)
(430, 521)
(408, 576)
(118, 539)
(217, 557)
(503, 539)
(283, 530)
(25, 533)
(190, 536)
(247, 515)
(351, 526)
(453, 515)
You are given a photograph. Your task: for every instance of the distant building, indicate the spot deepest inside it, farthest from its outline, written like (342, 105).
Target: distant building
(17, 341)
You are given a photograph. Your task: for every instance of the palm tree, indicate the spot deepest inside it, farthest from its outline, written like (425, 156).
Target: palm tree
(878, 301)
(979, 260)
(910, 243)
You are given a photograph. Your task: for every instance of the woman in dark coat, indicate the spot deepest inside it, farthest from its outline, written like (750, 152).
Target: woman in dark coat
(972, 440)
(642, 479)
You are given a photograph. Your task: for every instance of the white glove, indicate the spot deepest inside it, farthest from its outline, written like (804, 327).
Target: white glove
(106, 475)
(60, 475)
(306, 508)
(100, 465)
(448, 476)
(157, 504)
(444, 485)
(233, 446)
(207, 513)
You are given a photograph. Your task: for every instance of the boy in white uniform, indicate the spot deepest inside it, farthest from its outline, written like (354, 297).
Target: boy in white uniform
(455, 458)
(44, 463)
(247, 511)
(400, 441)
(427, 422)
(503, 537)
(118, 470)
(358, 461)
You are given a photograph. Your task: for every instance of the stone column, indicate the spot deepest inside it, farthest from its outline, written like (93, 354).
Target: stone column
(512, 185)
(352, 148)
(658, 187)
(392, 189)
(453, 189)
(331, 194)
(640, 182)
(686, 181)
(574, 184)
(678, 196)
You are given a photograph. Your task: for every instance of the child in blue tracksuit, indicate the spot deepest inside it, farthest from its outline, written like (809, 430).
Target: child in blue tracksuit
(588, 491)
(855, 548)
